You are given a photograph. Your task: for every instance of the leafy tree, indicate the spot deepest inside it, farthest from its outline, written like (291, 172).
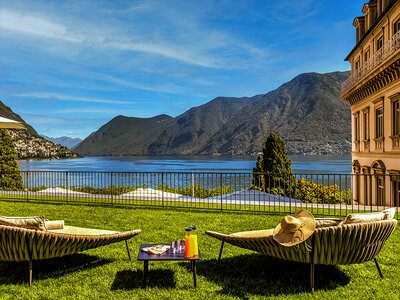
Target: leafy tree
(10, 176)
(273, 172)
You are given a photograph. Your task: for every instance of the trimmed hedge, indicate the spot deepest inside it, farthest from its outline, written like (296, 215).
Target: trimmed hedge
(304, 190)
(110, 190)
(196, 190)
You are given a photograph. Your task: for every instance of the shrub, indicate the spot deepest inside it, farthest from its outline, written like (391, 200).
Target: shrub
(110, 190)
(196, 190)
(310, 192)
(273, 190)
(38, 188)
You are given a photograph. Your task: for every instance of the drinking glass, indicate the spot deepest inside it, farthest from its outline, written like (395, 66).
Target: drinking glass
(174, 247)
(181, 246)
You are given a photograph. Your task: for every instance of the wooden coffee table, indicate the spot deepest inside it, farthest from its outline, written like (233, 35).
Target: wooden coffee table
(169, 256)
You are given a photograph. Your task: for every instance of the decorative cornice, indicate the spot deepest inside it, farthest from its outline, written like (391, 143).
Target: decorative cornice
(388, 52)
(382, 79)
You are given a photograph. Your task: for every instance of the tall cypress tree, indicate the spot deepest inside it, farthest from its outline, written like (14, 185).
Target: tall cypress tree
(10, 176)
(274, 164)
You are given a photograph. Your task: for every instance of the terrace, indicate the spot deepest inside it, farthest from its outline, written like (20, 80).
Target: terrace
(106, 272)
(122, 201)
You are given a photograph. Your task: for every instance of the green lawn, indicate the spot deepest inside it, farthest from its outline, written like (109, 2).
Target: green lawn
(107, 273)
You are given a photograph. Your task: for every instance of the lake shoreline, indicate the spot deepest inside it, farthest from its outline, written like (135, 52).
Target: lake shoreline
(301, 164)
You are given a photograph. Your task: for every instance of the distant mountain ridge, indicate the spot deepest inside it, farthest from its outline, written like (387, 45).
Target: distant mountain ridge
(306, 112)
(29, 144)
(65, 141)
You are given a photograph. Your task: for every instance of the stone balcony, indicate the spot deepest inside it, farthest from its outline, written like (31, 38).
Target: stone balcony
(388, 48)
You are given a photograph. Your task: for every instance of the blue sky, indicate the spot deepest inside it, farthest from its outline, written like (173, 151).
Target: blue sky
(68, 67)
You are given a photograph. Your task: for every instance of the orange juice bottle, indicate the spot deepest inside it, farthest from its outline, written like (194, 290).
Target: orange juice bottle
(194, 237)
(188, 243)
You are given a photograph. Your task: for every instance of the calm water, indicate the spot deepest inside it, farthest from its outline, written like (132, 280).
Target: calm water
(323, 164)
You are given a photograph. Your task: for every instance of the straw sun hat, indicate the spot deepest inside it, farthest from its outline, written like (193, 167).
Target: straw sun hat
(295, 229)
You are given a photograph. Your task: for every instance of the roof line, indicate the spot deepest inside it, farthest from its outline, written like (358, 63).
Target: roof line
(371, 28)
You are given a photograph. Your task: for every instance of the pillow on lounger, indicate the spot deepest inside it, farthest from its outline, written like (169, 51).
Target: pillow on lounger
(326, 222)
(390, 212)
(52, 225)
(36, 223)
(386, 214)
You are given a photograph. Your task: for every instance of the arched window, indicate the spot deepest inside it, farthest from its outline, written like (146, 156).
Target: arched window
(356, 167)
(379, 174)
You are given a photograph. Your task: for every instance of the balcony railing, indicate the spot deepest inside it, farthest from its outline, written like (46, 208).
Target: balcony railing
(377, 58)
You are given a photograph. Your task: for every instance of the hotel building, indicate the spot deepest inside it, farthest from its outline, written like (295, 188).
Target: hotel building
(373, 91)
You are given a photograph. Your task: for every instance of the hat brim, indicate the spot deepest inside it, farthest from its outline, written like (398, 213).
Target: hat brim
(290, 239)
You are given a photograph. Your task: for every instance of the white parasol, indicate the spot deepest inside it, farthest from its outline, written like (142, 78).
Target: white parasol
(7, 123)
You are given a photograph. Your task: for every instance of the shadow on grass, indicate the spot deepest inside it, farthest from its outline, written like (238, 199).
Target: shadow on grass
(17, 272)
(257, 274)
(128, 280)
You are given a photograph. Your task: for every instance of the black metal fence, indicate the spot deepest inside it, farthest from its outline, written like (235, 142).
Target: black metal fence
(322, 194)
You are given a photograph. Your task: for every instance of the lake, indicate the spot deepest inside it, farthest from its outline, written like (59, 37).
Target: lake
(302, 164)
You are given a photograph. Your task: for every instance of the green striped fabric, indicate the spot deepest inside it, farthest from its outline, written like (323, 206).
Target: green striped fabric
(333, 245)
(20, 244)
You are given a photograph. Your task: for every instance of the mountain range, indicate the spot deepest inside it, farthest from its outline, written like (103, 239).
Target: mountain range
(29, 144)
(306, 112)
(65, 141)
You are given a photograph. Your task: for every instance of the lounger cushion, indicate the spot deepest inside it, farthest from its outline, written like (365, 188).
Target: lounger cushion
(326, 222)
(254, 234)
(81, 231)
(36, 223)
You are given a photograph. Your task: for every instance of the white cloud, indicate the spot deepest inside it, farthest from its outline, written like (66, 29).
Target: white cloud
(187, 41)
(292, 11)
(34, 25)
(64, 97)
(41, 27)
(163, 50)
(170, 89)
(88, 110)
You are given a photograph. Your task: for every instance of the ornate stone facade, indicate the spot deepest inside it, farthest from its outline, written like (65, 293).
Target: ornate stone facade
(373, 91)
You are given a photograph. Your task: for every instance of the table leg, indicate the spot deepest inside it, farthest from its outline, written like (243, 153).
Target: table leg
(194, 273)
(127, 248)
(30, 273)
(145, 271)
(220, 251)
